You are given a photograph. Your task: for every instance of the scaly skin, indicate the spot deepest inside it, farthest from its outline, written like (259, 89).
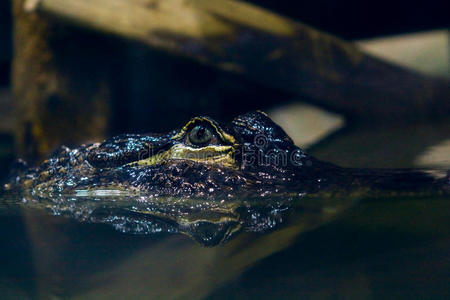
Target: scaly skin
(251, 155)
(207, 180)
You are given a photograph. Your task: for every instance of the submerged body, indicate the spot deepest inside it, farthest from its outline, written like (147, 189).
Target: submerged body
(207, 180)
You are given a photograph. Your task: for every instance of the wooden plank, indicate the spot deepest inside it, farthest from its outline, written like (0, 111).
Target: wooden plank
(426, 52)
(267, 48)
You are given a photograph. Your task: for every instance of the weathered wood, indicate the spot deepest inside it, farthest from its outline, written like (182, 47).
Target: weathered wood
(60, 94)
(267, 48)
(426, 52)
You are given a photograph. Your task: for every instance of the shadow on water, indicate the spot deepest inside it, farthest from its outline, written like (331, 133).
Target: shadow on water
(317, 248)
(381, 248)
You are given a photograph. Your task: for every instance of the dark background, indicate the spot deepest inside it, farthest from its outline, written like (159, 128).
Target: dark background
(346, 19)
(348, 248)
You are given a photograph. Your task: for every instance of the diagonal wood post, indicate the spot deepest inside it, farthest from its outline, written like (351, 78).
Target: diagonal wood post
(267, 48)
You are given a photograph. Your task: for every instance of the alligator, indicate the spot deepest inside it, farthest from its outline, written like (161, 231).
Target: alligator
(208, 180)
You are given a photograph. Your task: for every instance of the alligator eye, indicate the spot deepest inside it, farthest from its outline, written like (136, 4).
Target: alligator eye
(200, 135)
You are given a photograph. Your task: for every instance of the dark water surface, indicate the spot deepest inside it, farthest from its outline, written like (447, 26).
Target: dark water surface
(378, 248)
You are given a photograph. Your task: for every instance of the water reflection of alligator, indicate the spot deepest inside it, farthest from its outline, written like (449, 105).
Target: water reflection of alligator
(209, 180)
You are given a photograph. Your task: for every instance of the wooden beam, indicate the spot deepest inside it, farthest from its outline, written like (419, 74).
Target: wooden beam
(267, 48)
(60, 92)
